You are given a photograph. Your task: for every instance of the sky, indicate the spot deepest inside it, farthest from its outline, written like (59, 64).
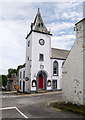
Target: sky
(16, 18)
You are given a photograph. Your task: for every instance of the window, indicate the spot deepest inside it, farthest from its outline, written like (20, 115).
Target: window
(20, 84)
(23, 74)
(28, 58)
(49, 83)
(28, 43)
(41, 57)
(55, 68)
(34, 83)
(40, 24)
(63, 63)
(20, 74)
(54, 84)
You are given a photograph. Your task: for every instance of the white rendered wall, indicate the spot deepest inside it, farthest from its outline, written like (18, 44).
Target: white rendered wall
(84, 62)
(36, 50)
(21, 79)
(28, 62)
(73, 70)
(59, 77)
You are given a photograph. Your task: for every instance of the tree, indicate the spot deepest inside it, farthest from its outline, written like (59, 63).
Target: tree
(11, 71)
(4, 80)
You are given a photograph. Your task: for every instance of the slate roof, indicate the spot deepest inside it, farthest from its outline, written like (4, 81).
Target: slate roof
(59, 53)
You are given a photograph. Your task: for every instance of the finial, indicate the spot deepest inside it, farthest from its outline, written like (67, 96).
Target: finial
(38, 12)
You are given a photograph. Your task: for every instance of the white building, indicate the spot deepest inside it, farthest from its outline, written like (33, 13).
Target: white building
(43, 67)
(74, 68)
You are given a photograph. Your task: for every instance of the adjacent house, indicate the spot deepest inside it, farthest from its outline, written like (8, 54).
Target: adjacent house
(74, 68)
(12, 83)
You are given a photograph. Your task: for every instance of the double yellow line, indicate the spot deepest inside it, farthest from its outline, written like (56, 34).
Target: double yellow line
(53, 107)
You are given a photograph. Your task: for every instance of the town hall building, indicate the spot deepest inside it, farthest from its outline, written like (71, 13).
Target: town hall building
(42, 70)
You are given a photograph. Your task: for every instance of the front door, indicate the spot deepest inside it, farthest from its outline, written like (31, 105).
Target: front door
(40, 84)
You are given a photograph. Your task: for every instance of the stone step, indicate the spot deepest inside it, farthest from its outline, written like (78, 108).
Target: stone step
(41, 91)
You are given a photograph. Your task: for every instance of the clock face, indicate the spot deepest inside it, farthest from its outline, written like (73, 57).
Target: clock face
(41, 42)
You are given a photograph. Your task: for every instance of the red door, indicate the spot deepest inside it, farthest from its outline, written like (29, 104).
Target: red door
(40, 81)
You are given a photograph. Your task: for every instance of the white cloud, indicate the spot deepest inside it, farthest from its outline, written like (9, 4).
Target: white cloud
(56, 27)
(42, 1)
(15, 21)
(63, 41)
(12, 42)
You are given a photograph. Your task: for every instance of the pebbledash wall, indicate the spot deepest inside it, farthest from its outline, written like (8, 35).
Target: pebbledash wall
(74, 68)
(34, 67)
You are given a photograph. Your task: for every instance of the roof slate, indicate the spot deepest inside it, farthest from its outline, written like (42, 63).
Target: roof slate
(59, 53)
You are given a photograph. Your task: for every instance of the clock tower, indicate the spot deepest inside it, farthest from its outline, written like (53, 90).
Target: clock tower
(38, 52)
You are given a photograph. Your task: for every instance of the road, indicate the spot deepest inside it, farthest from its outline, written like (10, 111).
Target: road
(33, 106)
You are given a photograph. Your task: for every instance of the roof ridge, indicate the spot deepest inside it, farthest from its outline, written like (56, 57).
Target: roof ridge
(60, 49)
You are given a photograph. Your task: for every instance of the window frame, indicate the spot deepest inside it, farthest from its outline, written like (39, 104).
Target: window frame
(55, 66)
(24, 74)
(41, 57)
(28, 43)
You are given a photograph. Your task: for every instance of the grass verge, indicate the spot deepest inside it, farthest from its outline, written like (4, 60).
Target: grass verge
(80, 109)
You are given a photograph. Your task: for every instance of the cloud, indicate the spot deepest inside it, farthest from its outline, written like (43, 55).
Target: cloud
(12, 42)
(15, 21)
(63, 41)
(42, 1)
(63, 26)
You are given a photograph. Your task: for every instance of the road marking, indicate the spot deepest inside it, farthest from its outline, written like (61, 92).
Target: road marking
(55, 109)
(21, 113)
(7, 108)
(3, 96)
(16, 109)
(8, 96)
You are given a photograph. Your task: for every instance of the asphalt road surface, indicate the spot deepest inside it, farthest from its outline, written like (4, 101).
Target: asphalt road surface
(33, 106)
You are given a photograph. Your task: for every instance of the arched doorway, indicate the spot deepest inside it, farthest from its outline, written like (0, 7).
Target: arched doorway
(41, 81)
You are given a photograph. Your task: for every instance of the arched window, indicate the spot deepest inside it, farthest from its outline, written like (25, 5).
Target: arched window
(33, 83)
(63, 63)
(55, 68)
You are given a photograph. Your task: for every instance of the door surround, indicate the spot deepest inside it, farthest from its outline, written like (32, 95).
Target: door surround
(44, 80)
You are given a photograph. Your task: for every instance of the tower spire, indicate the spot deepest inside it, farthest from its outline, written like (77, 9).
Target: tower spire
(38, 24)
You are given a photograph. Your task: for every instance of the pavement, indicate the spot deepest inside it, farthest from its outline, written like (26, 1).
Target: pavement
(33, 106)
